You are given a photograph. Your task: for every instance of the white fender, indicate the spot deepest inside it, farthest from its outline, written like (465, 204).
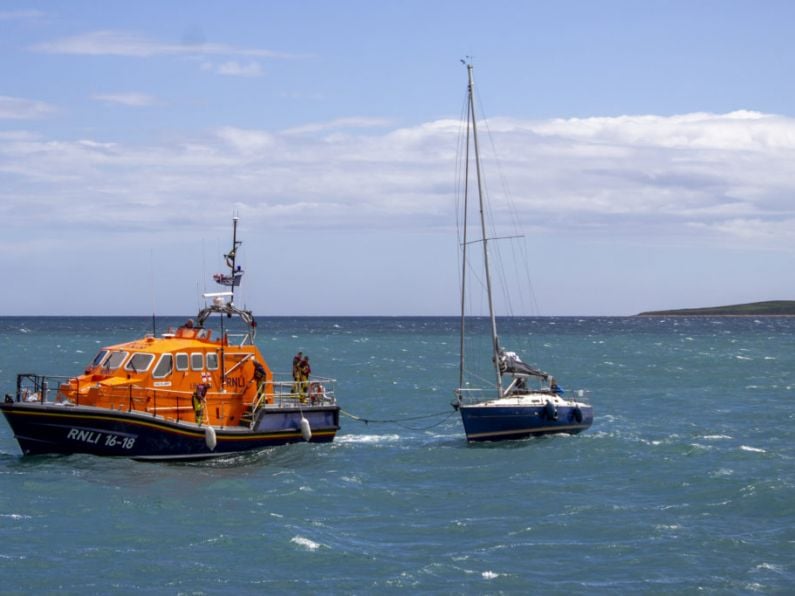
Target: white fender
(209, 437)
(306, 430)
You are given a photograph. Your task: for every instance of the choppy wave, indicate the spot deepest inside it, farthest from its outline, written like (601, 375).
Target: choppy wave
(683, 484)
(305, 543)
(370, 439)
(752, 449)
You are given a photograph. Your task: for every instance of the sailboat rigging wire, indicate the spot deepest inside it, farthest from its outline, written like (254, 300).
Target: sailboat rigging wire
(490, 238)
(487, 205)
(514, 258)
(476, 376)
(526, 296)
(510, 264)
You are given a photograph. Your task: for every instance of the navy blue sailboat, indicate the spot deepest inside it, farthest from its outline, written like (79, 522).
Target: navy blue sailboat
(523, 401)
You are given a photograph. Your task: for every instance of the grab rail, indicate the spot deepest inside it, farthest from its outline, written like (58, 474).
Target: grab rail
(160, 401)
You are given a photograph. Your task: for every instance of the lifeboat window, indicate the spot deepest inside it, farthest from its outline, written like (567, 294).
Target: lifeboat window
(197, 361)
(140, 362)
(182, 362)
(114, 360)
(164, 367)
(99, 358)
(212, 361)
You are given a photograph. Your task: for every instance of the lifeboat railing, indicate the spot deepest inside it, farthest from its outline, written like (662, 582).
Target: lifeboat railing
(239, 339)
(475, 395)
(173, 404)
(317, 390)
(32, 387)
(283, 393)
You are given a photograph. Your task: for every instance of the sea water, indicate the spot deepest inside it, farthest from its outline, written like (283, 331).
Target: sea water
(684, 484)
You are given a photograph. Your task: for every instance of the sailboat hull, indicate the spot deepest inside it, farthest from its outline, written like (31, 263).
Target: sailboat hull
(492, 421)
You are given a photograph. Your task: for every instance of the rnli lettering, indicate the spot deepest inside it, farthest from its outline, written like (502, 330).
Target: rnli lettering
(94, 437)
(236, 382)
(86, 436)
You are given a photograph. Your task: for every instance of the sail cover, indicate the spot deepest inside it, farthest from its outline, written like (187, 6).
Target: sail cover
(511, 363)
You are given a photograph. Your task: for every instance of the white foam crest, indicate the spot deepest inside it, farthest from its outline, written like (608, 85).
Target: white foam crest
(770, 567)
(15, 516)
(490, 575)
(700, 446)
(752, 449)
(721, 473)
(715, 437)
(368, 439)
(672, 527)
(308, 544)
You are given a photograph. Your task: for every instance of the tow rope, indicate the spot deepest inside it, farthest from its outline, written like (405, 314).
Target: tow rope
(400, 421)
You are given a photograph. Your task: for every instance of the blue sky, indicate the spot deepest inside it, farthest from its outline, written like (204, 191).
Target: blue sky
(647, 149)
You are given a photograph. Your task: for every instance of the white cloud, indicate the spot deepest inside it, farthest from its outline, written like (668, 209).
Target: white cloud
(244, 140)
(236, 69)
(735, 131)
(21, 15)
(753, 230)
(17, 108)
(358, 122)
(122, 43)
(135, 100)
(711, 178)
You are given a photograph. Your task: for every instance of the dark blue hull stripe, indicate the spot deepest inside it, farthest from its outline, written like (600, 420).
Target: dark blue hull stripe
(43, 429)
(484, 423)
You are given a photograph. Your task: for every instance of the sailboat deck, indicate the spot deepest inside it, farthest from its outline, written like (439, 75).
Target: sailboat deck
(529, 399)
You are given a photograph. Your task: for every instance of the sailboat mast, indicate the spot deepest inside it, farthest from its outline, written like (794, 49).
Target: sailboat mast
(464, 245)
(484, 236)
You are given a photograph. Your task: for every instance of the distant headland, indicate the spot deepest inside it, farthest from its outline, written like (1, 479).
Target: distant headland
(759, 309)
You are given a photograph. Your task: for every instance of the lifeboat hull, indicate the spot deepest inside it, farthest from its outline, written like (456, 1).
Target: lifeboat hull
(46, 428)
